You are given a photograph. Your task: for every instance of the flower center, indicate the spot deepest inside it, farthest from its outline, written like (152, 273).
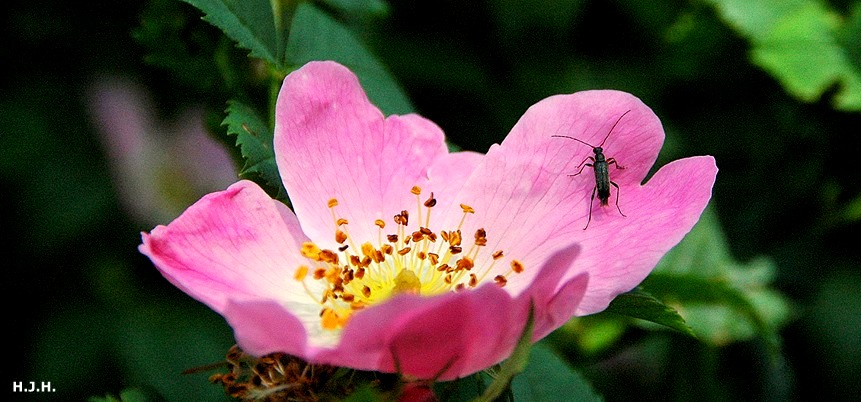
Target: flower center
(422, 262)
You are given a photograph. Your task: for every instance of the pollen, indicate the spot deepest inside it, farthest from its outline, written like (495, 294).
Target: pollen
(310, 250)
(430, 202)
(516, 266)
(500, 280)
(301, 273)
(412, 257)
(332, 319)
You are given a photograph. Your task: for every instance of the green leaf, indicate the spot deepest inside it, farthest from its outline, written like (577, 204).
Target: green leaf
(754, 19)
(548, 378)
(254, 138)
(513, 365)
(850, 35)
(640, 304)
(260, 26)
(317, 36)
(798, 42)
(722, 300)
(176, 44)
(590, 335)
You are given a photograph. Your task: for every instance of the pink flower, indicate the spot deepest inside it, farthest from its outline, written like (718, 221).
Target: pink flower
(158, 167)
(403, 257)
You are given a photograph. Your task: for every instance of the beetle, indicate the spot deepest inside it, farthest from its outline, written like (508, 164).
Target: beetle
(601, 165)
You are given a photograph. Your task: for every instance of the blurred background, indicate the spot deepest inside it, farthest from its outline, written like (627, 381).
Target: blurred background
(111, 117)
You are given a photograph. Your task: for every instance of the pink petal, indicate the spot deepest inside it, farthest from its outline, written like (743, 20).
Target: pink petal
(262, 327)
(659, 214)
(530, 206)
(123, 112)
(465, 335)
(445, 336)
(456, 334)
(207, 162)
(331, 142)
(521, 192)
(447, 176)
(234, 244)
(555, 300)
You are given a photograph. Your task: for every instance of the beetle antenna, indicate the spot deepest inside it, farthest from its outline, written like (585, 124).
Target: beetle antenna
(614, 126)
(575, 139)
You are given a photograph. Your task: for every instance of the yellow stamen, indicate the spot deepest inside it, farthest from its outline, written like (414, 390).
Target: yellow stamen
(310, 250)
(410, 260)
(333, 320)
(301, 273)
(407, 282)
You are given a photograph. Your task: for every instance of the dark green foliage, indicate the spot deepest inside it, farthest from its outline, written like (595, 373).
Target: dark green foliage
(254, 138)
(639, 304)
(770, 88)
(798, 42)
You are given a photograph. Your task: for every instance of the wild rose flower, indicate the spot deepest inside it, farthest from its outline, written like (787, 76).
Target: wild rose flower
(158, 167)
(403, 257)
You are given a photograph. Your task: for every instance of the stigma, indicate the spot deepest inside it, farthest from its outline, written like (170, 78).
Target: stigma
(408, 256)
